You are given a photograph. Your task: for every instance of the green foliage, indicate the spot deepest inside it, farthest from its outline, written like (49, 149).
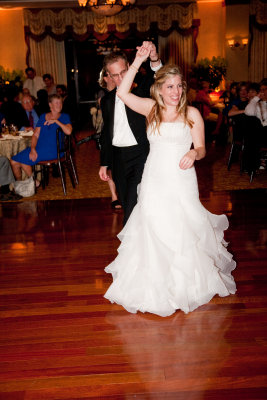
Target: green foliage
(14, 77)
(210, 70)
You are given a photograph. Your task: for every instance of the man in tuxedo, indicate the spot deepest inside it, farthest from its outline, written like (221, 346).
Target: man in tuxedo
(124, 144)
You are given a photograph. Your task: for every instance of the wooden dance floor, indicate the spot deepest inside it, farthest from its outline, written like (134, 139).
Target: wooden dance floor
(60, 339)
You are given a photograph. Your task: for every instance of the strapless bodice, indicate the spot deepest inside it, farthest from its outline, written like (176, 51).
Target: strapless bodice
(173, 133)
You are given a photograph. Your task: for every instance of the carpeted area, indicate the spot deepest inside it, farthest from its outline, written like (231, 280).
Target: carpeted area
(212, 175)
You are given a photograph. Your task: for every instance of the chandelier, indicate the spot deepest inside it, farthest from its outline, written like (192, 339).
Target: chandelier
(106, 7)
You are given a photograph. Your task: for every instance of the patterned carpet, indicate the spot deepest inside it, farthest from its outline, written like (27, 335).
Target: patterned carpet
(212, 175)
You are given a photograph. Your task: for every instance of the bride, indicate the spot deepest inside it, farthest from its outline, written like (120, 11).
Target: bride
(172, 254)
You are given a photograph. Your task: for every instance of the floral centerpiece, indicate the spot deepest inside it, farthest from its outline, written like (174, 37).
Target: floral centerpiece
(210, 70)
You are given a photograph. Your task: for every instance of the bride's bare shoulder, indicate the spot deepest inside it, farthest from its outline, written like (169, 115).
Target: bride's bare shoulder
(193, 113)
(149, 105)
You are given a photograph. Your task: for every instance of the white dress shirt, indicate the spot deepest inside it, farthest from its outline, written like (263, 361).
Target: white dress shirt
(257, 108)
(34, 85)
(122, 133)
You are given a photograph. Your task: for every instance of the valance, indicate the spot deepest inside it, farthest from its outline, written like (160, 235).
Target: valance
(80, 23)
(258, 11)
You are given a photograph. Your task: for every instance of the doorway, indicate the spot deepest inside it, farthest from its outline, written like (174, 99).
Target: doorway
(84, 61)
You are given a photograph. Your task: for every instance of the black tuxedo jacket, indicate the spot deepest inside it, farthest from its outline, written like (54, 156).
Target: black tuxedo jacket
(137, 122)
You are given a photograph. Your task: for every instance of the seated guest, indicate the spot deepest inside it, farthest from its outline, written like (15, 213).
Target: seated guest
(253, 90)
(6, 177)
(33, 83)
(13, 110)
(50, 87)
(236, 112)
(43, 145)
(41, 105)
(257, 105)
(31, 116)
(256, 132)
(239, 104)
(229, 96)
(203, 97)
(206, 110)
(62, 90)
(69, 105)
(23, 92)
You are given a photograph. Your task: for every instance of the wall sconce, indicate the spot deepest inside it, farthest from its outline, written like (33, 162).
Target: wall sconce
(233, 44)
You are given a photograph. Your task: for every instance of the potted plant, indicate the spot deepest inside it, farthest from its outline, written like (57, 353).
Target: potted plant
(210, 70)
(13, 78)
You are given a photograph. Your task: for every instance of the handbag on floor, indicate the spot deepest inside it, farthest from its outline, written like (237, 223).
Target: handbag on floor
(25, 188)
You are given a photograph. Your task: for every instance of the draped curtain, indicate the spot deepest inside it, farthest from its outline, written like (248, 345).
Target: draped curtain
(48, 56)
(177, 49)
(46, 30)
(83, 22)
(258, 46)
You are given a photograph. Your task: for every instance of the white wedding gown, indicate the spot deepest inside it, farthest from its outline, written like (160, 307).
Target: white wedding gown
(172, 253)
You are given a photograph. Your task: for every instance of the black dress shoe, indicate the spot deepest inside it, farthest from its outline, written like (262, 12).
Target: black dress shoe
(10, 196)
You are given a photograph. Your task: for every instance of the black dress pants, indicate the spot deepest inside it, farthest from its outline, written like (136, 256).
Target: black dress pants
(254, 139)
(128, 166)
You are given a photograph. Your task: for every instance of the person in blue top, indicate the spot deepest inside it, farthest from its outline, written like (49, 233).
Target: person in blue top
(43, 144)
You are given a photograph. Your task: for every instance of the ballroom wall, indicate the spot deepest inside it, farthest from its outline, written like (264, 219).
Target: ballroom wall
(211, 31)
(237, 27)
(13, 48)
(217, 23)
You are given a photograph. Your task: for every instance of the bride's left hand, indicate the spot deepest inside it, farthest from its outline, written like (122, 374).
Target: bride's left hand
(143, 51)
(187, 161)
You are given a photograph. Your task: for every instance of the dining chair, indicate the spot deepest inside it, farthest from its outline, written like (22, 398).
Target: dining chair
(262, 157)
(64, 158)
(237, 145)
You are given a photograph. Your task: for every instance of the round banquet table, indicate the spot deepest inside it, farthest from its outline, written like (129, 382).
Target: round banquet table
(11, 147)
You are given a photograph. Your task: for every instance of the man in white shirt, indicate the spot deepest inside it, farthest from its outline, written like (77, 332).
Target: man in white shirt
(33, 83)
(256, 131)
(124, 144)
(257, 105)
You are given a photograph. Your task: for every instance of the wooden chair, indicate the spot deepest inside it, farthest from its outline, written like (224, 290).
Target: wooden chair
(237, 145)
(63, 159)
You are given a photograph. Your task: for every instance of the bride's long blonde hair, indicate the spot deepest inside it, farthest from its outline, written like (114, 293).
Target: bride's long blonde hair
(155, 116)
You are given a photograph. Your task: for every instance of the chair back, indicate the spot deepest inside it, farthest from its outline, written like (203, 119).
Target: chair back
(63, 144)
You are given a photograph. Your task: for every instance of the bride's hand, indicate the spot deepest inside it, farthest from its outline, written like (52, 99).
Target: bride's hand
(187, 161)
(143, 51)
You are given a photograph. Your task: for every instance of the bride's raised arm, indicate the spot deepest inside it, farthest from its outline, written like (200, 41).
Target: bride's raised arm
(136, 103)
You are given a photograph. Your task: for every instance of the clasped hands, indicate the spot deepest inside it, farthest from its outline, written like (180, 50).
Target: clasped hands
(148, 49)
(50, 121)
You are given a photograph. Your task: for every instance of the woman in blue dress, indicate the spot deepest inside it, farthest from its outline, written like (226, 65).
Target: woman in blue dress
(43, 144)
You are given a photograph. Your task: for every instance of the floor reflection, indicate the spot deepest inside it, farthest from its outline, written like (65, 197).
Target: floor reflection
(180, 349)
